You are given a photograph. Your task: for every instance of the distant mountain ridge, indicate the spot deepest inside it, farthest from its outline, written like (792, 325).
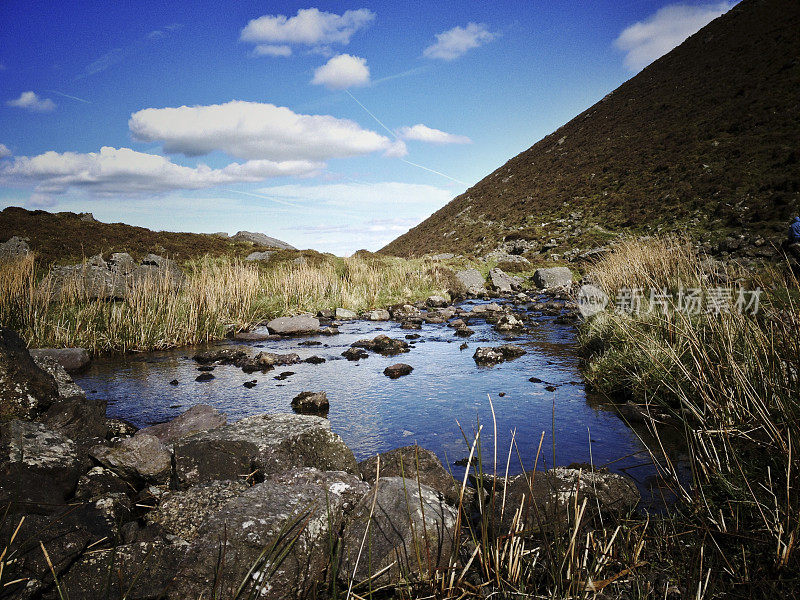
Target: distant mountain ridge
(705, 139)
(67, 237)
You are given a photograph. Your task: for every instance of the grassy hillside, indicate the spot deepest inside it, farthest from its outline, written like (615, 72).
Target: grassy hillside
(705, 138)
(66, 238)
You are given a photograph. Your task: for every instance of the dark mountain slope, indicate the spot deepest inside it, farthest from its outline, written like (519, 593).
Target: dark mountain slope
(706, 138)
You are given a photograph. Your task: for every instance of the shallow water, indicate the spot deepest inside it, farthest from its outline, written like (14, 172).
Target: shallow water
(374, 414)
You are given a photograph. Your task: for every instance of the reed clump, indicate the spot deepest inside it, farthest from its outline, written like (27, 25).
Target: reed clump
(218, 296)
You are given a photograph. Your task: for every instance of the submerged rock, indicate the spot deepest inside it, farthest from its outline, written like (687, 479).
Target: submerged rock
(397, 370)
(355, 354)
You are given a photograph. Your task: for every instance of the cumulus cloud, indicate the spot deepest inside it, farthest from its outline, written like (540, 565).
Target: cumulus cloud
(31, 101)
(310, 27)
(128, 172)
(342, 72)
(4, 151)
(423, 133)
(270, 50)
(253, 130)
(647, 40)
(455, 42)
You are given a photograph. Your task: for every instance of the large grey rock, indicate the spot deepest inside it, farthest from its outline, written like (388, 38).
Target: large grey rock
(72, 359)
(183, 512)
(553, 277)
(397, 370)
(301, 324)
(265, 443)
(414, 463)
(343, 314)
(409, 536)
(436, 301)
(472, 280)
(200, 417)
(81, 419)
(137, 571)
(380, 314)
(256, 256)
(548, 498)
(500, 281)
(25, 389)
(261, 239)
(295, 514)
(38, 466)
(138, 457)
(14, 248)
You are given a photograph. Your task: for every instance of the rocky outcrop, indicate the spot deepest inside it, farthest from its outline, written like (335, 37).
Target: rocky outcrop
(15, 247)
(72, 359)
(26, 390)
(293, 515)
(414, 463)
(299, 325)
(260, 239)
(256, 256)
(409, 535)
(267, 444)
(101, 279)
(554, 277)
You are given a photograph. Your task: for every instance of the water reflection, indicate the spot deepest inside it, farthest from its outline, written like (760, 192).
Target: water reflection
(375, 414)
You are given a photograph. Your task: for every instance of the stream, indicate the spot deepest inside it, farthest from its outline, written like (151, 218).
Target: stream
(436, 406)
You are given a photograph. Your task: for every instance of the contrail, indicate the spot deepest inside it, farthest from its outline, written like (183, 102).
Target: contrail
(432, 171)
(394, 135)
(286, 202)
(68, 96)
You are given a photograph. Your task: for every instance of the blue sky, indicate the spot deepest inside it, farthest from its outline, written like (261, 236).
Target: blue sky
(331, 126)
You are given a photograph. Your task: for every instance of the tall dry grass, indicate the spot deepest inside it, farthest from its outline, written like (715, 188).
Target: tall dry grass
(218, 296)
(729, 380)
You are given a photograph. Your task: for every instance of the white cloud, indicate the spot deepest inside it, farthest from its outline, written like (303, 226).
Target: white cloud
(4, 151)
(122, 171)
(310, 27)
(270, 50)
(647, 40)
(253, 130)
(31, 101)
(423, 133)
(455, 42)
(342, 72)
